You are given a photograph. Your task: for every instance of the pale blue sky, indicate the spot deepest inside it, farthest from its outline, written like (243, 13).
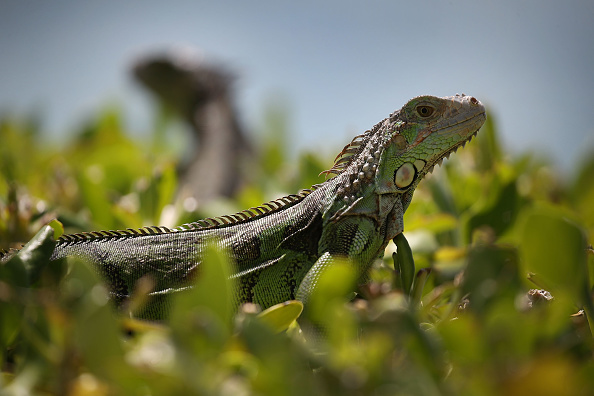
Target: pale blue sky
(341, 65)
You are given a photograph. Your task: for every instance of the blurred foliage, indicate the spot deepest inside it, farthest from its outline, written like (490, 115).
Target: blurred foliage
(490, 292)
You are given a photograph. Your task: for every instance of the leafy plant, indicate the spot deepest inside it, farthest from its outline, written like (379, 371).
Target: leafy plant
(489, 291)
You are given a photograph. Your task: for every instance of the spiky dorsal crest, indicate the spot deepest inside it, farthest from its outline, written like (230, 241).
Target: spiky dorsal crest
(348, 154)
(352, 150)
(204, 224)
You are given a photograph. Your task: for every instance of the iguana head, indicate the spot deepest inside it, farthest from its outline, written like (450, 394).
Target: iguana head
(399, 151)
(424, 132)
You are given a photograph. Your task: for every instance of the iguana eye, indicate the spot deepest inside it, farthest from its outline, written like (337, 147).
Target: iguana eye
(424, 110)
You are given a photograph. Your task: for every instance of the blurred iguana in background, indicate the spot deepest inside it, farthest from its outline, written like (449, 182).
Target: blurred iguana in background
(201, 93)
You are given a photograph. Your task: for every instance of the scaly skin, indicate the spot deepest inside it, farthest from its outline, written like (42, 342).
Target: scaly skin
(280, 248)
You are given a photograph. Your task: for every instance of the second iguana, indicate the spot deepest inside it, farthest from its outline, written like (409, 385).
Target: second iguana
(279, 249)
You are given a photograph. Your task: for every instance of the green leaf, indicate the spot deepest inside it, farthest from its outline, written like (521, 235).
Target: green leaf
(58, 228)
(419, 284)
(208, 306)
(96, 331)
(498, 214)
(95, 196)
(326, 307)
(11, 315)
(404, 263)
(280, 316)
(442, 196)
(491, 274)
(464, 339)
(32, 258)
(14, 272)
(554, 249)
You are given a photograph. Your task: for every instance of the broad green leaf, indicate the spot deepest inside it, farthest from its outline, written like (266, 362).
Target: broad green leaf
(95, 196)
(334, 284)
(554, 249)
(11, 315)
(14, 272)
(35, 255)
(404, 263)
(491, 274)
(464, 339)
(326, 307)
(419, 284)
(16, 276)
(280, 316)
(58, 228)
(204, 311)
(95, 330)
(498, 213)
(279, 366)
(442, 196)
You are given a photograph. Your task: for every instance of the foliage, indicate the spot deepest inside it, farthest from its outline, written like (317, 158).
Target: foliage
(464, 313)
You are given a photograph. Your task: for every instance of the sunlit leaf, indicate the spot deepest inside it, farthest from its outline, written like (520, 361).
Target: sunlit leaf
(58, 228)
(36, 253)
(280, 316)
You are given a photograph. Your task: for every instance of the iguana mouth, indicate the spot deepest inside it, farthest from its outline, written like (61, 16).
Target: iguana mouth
(478, 118)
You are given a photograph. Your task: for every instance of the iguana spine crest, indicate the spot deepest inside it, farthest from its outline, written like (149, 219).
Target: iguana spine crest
(202, 224)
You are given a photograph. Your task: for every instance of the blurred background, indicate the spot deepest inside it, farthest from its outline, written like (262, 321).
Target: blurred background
(337, 67)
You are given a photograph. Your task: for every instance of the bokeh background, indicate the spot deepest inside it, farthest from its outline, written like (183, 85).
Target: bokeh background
(338, 66)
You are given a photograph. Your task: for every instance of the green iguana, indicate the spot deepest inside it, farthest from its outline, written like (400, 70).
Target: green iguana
(280, 248)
